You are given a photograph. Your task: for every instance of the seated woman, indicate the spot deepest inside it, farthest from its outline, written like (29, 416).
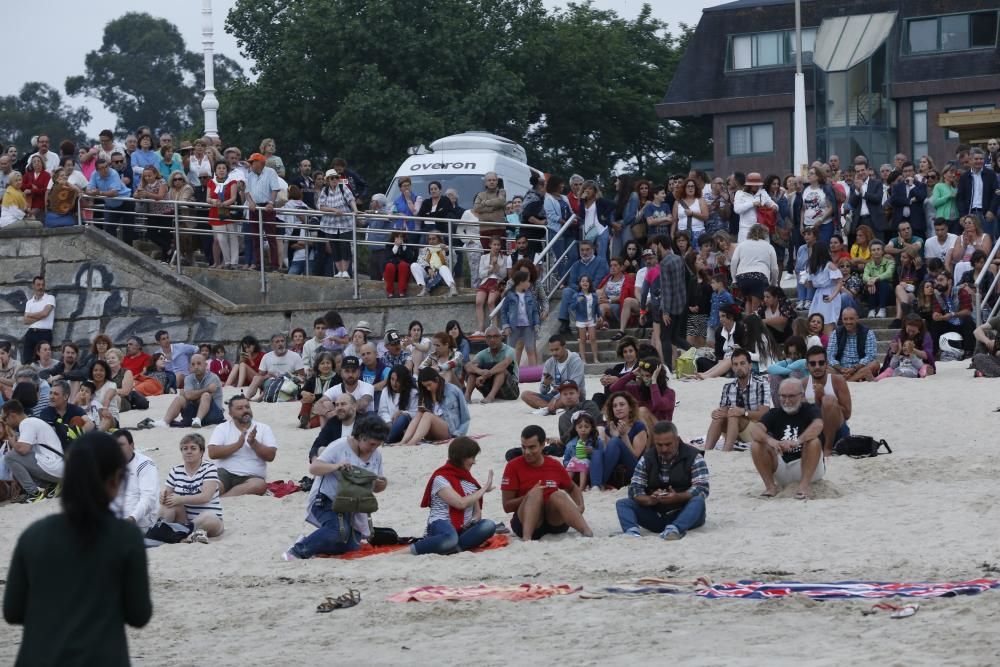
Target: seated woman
(625, 438)
(105, 395)
(628, 352)
(62, 200)
(455, 499)
(910, 275)
(731, 335)
(442, 412)
(445, 359)
(757, 340)
(914, 330)
(128, 399)
(454, 329)
(322, 378)
(648, 386)
(191, 492)
(249, 363)
(793, 365)
(398, 259)
(44, 362)
(417, 344)
(398, 404)
(777, 313)
(616, 296)
(156, 380)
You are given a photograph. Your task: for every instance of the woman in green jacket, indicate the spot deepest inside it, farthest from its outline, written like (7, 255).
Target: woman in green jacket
(943, 197)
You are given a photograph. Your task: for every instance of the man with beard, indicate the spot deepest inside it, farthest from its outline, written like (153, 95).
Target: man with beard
(242, 448)
(830, 394)
(351, 383)
(786, 443)
(744, 401)
(339, 423)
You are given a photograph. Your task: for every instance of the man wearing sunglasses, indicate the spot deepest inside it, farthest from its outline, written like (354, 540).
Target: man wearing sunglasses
(830, 393)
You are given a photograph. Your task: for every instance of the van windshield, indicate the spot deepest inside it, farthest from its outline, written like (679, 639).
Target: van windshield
(466, 185)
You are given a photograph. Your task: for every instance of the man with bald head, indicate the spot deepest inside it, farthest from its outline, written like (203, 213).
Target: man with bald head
(340, 423)
(198, 401)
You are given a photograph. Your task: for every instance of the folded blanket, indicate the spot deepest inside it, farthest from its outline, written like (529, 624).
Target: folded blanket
(495, 542)
(517, 593)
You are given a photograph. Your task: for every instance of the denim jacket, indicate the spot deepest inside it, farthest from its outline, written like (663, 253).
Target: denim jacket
(455, 411)
(580, 306)
(508, 310)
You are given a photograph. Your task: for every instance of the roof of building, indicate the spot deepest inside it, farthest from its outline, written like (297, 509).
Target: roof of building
(742, 4)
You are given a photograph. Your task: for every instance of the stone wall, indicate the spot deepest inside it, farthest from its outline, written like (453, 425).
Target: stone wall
(102, 285)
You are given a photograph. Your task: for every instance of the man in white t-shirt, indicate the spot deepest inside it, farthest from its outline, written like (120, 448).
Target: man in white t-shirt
(351, 383)
(40, 316)
(138, 497)
(50, 159)
(940, 244)
(242, 448)
(36, 455)
(314, 345)
(274, 365)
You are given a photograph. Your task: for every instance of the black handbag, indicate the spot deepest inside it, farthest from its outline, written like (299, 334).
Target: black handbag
(860, 446)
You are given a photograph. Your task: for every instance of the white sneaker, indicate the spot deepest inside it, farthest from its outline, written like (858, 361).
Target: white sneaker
(453, 291)
(541, 412)
(871, 313)
(807, 304)
(880, 313)
(196, 423)
(159, 423)
(423, 291)
(288, 555)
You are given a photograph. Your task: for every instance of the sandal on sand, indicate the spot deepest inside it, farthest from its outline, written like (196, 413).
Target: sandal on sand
(348, 599)
(802, 496)
(148, 422)
(767, 494)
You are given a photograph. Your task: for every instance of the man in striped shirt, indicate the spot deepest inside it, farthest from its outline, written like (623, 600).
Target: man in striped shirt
(744, 401)
(668, 490)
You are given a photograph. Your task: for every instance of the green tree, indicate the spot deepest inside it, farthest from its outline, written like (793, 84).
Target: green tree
(39, 109)
(145, 75)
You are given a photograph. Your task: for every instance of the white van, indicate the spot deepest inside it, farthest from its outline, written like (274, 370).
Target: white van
(460, 161)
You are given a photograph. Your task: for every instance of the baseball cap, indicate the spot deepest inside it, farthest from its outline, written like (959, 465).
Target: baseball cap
(350, 362)
(256, 156)
(569, 384)
(392, 338)
(648, 252)
(331, 172)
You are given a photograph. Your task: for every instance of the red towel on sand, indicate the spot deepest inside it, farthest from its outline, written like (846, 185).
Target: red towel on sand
(280, 489)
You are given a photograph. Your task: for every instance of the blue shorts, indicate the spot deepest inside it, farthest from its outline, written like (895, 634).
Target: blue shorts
(549, 395)
(842, 432)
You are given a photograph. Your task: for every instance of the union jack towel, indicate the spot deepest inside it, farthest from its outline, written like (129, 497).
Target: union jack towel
(839, 590)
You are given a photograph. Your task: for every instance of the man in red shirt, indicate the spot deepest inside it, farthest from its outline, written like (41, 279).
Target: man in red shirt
(135, 359)
(540, 493)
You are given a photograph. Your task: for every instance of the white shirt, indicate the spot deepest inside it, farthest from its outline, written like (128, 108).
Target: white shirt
(244, 461)
(35, 432)
(363, 389)
(198, 168)
(309, 351)
(38, 305)
(388, 405)
(106, 154)
(977, 189)
(864, 204)
(138, 497)
(51, 160)
(934, 248)
(289, 362)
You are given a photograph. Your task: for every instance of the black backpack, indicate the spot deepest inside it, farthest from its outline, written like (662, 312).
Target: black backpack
(860, 446)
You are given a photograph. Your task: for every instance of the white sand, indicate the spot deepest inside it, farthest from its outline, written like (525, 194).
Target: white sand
(926, 512)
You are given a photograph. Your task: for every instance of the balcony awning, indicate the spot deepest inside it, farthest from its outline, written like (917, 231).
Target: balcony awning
(844, 41)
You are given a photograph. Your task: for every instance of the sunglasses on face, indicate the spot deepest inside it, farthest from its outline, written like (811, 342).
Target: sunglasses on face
(817, 364)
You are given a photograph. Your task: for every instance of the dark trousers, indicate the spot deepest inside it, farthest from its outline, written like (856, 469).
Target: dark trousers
(880, 299)
(670, 335)
(965, 327)
(32, 337)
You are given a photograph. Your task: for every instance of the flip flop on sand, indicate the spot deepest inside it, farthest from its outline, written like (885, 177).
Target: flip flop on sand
(799, 495)
(768, 494)
(348, 599)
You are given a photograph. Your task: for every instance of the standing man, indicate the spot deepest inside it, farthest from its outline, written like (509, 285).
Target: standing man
(178, 356)
(866, 198)
(744, 401)
(50, 159)
(198, 400)
(107, 183)
(262, 190)
(907, 199)
(304, 180)
(36, 454)
(274, 365)
(673, 299)
(830, 394)
(786, 445)
(242, 448)
(39, 315)
(138, 497)
(493, 371)
(539, 492)
(977, 193)
(668, 489)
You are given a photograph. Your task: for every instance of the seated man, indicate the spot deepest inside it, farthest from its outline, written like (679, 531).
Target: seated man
(952, 313)
(340, 532)
(596, 268)
(831, 396)
(198, 401)
(373, 371)
(340, 422)
(350, 383)
(394, 354)
(561, 366)
(539, 492)
(139, 495)
(852, 349)
(36, 455)
(242, 448)
(274, 366)
(668, 490)
(744, 401)
(877, 278)
(906, 241)
(493, 371)
(786, 445)
(69, 421)
(69, 368)
(569, 393)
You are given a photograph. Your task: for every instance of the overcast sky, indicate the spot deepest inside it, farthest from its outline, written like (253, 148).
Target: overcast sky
(71, 30)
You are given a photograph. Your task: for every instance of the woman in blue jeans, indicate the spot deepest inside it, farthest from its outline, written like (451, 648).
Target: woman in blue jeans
(625, 439)
(455, 500)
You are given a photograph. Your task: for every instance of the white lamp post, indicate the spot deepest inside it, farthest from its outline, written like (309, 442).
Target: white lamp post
(210, 103)
(800, 142)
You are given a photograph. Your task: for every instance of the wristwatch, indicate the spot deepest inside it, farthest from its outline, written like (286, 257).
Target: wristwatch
(746, 413)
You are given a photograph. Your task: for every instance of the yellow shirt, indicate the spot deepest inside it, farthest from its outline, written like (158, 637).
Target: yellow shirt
(857, 252)
(14, 197)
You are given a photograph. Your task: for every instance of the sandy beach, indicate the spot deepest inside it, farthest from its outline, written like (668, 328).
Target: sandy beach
(928, 512)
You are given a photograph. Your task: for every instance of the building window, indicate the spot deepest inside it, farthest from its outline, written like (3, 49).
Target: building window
(955, 32)
(981, 107)
(755, 139)
(919, 128)
(769, 49)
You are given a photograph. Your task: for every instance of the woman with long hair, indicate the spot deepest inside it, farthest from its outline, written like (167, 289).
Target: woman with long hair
(792, 365)
(758, 341)
(157, 215)
(777, 313)
(973, 238)
(626, 436)
(77, 577)
(699, 299)
(323, 377)
(445, 359)
(442, 412)
(915, 331)
(397, 405)
(632, 257)
(454, 329)
(690, 211)
(860, 251)
(105, 394)
(825, 277)
(249, 363)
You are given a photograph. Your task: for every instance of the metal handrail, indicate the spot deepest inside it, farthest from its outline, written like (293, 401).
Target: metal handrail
(979, 298)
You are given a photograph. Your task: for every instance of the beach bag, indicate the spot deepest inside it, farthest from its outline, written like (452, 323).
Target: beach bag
(860, 446)
(767, 217)
(170, 533)
(686, 363)
(354, 491)
(148, 386)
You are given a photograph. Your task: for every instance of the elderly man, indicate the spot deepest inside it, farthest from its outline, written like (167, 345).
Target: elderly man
(107, 183)
(340, 532)
(852, 348)
(539, 492)
(36, 454)
(274, 366)
(242, 448)
(262, 187)
(198, 401)
(786, 445)
(561, 366)
(744, 401)
(595, 268)
(830, 394)
(493, 371)
(345, 411)
(394, 354)
(351, 383)
(6, 168)
(138, 496)
(668, 490)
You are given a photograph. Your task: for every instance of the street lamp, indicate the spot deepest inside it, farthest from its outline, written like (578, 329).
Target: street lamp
(210, 103)
(800, 142)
